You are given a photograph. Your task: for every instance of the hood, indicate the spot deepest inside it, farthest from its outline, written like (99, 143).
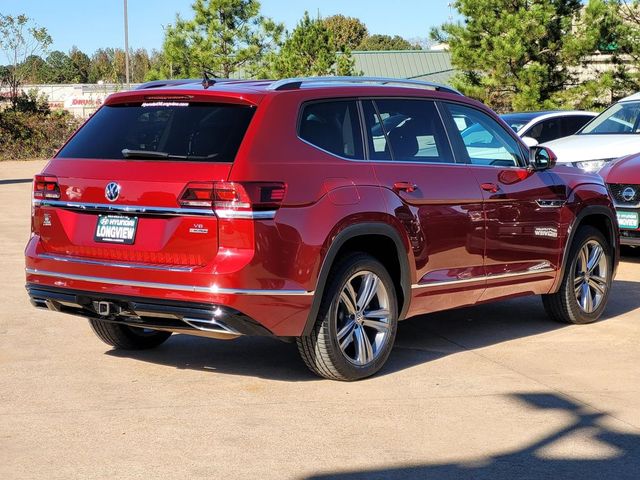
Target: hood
(625, 170)
(577, 148)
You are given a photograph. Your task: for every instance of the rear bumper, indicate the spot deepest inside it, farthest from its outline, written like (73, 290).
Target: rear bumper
(187, 317)
(279, 305)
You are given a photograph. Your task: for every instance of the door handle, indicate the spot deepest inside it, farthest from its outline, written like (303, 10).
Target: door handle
(404, 187)
(490, 187)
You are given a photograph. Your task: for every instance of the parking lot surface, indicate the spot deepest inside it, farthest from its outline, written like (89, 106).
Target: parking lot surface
(496, 391)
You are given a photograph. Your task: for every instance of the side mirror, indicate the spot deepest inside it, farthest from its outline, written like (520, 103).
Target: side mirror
(541, 158)
(530, 142)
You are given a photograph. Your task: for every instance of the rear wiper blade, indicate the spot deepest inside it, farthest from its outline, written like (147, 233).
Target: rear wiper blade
(126, 153)
(151, 154)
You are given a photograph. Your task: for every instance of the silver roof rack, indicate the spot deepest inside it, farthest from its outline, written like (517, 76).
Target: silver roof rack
(296, 83)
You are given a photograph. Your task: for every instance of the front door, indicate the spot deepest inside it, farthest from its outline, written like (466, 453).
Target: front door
(436, 200)
(522, 208)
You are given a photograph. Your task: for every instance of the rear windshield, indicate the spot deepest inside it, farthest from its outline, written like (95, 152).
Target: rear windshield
(172, 131)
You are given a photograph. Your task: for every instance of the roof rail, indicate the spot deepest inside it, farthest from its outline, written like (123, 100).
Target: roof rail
(296, 83)
(167, 83)
(209, 81)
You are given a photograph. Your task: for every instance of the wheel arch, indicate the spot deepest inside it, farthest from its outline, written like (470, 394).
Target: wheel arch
(374, 238)
(600, 217)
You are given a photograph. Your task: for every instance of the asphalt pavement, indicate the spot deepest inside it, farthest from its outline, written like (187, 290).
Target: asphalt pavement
(495, 391)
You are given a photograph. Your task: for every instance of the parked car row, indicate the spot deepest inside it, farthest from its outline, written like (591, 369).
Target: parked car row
(323, 211)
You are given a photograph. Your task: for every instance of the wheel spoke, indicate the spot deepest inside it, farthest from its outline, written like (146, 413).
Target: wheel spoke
(586, 298)
(597, 286)
(345, 334)
(594, 258)
(583, 259)
(379, 325)
(347, 302)
(368, 289)
(381, 313)
(364, 351)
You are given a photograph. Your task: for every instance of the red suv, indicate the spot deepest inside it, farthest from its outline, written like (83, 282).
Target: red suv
(320, 210)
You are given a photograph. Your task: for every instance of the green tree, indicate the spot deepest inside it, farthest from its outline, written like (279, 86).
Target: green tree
(514, 54)
(19, 39)
(140, 65)
(102, 66)
(224, 36)
(60, 68)
(81, 63)
(386, 42)
(347, 32)
(36, 70)
(310, 51)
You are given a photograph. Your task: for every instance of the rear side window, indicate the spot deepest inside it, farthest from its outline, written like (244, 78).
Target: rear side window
(406, 131)
(333, 126)
(173, 131)
(546, 130)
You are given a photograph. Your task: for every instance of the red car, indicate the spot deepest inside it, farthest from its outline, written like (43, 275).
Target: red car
(623, 180)
(321, 211)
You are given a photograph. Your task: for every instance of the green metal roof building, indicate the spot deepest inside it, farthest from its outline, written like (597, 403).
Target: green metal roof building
(434, 66)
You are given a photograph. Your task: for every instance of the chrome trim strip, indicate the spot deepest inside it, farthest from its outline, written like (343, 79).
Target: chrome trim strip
(210, 326)
(214, 289)
(87, 261)
(633, 207)
(145, 210)
(131, 209)
(551, 203)
(483, 278)
(257, 215)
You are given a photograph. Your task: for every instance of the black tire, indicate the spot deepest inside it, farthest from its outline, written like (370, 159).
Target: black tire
(126, 337)
(563, 306)
(322, 352)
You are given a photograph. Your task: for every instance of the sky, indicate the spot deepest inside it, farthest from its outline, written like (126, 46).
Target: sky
(99, 23)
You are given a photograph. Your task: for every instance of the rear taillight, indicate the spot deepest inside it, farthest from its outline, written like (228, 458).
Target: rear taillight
(46, 186)
(229, 197)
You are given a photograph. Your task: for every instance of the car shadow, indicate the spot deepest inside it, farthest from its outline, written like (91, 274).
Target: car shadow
(621, 461)
(419, 340)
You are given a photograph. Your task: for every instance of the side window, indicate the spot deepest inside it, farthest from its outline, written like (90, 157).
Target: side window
(406, 131)
(573, 123)
(545, 130)
(485, 141)
(333, 126)
(376, 135)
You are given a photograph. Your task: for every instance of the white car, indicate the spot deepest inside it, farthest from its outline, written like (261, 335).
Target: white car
(540, 127)
(613, 134)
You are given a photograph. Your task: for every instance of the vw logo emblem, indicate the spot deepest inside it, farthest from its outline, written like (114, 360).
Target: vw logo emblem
(112, 191)
(628, 194)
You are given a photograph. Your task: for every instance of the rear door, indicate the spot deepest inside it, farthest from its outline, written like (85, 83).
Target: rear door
(129, 182)
(522, 208)
(438, 201)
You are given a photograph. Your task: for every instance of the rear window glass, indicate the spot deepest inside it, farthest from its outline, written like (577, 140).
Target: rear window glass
(334, 127)
(175, 131)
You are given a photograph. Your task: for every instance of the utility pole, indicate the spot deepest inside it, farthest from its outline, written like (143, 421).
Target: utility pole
(126, 44)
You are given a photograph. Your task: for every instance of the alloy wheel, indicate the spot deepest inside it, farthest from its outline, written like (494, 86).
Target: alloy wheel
(591, 276)
(363, 322)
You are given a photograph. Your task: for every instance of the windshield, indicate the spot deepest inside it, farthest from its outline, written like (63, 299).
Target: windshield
(621, 118)
(163, 131)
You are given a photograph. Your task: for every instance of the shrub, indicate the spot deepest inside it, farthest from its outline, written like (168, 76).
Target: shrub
(35, 132)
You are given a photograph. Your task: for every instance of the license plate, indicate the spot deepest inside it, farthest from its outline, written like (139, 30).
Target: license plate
(116, 229)
(628, 220)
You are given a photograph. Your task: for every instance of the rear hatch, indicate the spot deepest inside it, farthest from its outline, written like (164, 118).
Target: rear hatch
(134, 183)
